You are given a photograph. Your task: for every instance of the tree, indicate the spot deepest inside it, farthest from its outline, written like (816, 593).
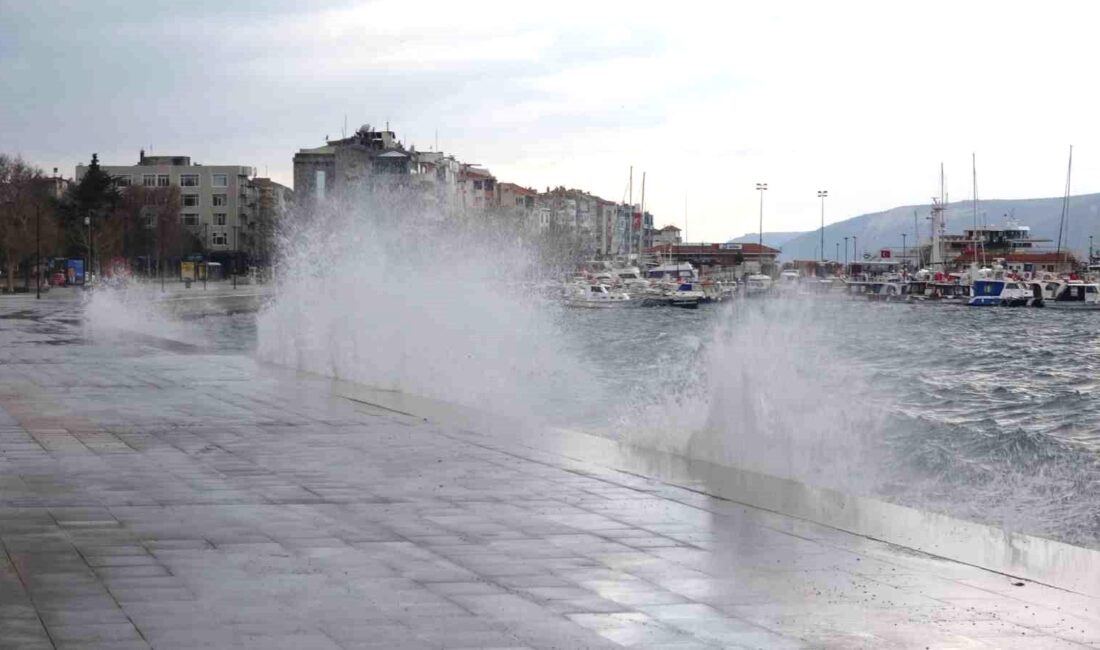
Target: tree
(95, 198)
(27, 217)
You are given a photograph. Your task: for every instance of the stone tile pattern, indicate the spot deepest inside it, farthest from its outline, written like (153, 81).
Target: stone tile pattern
(153, 499)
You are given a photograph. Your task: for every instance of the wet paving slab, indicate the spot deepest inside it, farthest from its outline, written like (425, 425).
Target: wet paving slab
(153, 496)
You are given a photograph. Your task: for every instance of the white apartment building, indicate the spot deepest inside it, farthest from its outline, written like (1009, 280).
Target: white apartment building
(217, 202)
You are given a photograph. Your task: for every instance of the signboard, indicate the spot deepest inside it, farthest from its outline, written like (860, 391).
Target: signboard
(74, 271)
(187, 271)
(884, 254)
(730, 247)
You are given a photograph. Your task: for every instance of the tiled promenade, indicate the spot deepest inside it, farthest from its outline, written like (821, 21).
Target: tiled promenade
(155, 496)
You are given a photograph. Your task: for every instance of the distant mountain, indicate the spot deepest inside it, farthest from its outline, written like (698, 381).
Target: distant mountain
(773, 239)
(880, 230)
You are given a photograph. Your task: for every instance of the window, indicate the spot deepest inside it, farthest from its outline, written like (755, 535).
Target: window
(162, 180)
(189, 180)
(219, 180)
(488, 185)
(519, 201)
(190, 200)
(149, 180)
(190, 219)
(220, 199)
(219, 218)
(477, 185)
(123, 181)
(219, 239)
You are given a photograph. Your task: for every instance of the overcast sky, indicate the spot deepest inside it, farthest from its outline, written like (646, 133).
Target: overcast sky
(862, 99)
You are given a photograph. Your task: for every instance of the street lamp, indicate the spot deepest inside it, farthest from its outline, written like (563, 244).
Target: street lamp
(88, 248)
(760, 187)
(855, 248)
(1090, 249)
(837, 257)
(845, 255)
(236, 252)
(821, 194)
(37, 251)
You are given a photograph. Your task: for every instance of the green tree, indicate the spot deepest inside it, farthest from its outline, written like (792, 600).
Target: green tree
(94, 198)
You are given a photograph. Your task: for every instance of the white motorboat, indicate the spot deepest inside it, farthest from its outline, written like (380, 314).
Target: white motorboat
(1072, 294)
(594, 296)
(758, 284)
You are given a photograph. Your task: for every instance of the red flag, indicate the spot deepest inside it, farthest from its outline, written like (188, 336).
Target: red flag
(884, 254)
(637, 220)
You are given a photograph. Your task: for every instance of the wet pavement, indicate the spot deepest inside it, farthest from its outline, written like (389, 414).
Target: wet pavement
(155, 495)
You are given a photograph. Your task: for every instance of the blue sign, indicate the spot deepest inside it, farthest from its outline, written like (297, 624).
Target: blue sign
(74, 271)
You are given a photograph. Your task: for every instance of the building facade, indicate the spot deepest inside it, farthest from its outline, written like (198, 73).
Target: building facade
(341, 167)
(217, 202)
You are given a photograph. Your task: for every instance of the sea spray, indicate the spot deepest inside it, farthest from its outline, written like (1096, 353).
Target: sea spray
(399, 295)
(766, 391)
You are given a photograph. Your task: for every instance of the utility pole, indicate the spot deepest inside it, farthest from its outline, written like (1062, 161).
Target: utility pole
(821, 194)
(846, 256)
(38, 250)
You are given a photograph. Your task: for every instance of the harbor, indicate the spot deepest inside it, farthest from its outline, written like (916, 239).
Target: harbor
(160, 494)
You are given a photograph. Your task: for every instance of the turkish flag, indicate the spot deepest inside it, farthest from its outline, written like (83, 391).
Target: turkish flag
(884, 254)
(637, 220)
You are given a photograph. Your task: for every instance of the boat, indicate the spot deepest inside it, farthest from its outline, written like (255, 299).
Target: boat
(758, 284)
(1004, 293)
(685, 296)
(594, 296)
(1072, 294)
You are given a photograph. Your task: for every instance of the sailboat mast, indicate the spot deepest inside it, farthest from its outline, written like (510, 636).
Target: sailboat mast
(641, 223)
(1063, 223)
(630, 216)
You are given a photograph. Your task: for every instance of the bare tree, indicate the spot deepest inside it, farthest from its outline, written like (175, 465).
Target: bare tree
(27, 216)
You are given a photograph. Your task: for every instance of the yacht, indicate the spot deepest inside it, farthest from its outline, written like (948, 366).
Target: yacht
(594, 296)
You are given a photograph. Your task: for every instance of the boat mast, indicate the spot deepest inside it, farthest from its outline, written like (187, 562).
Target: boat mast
(1063, 223)
(937, 225)
(641, 223)
(630, 216)
(979, 239)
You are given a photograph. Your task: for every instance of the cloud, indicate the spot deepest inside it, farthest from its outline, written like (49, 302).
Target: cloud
(861, 98)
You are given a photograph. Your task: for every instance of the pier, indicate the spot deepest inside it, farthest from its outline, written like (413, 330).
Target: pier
(156, 495)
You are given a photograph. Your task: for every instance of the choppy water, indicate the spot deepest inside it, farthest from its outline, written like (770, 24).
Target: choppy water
(987, 414)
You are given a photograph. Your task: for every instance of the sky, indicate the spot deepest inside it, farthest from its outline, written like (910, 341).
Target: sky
(862, 99)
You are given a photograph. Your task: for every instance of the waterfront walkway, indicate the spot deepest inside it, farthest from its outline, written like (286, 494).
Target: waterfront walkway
(154, 495)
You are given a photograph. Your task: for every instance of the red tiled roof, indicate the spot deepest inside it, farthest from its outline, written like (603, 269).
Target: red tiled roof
(713, 249)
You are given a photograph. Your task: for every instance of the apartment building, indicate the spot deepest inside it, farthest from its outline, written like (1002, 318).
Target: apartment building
(217, 202)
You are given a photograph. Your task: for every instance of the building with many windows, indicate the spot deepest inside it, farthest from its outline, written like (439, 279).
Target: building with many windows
(217, 202)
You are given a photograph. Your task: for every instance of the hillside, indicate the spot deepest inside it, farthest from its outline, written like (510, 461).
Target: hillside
(884, 229)
(773, 239)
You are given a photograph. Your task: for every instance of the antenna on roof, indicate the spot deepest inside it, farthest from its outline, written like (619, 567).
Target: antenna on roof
(344, 133)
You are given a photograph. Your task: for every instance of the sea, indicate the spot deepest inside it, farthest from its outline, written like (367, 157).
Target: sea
(988, 414)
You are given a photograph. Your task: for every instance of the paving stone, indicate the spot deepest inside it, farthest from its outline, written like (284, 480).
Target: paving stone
(152, 495)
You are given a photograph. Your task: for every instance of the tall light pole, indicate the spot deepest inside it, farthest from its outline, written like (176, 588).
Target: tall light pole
(760, 187)
(88, 247)
(855, 248)
(845, 255)
(236, 253)
(837, 257)
(821, 194)
(1090, 249)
